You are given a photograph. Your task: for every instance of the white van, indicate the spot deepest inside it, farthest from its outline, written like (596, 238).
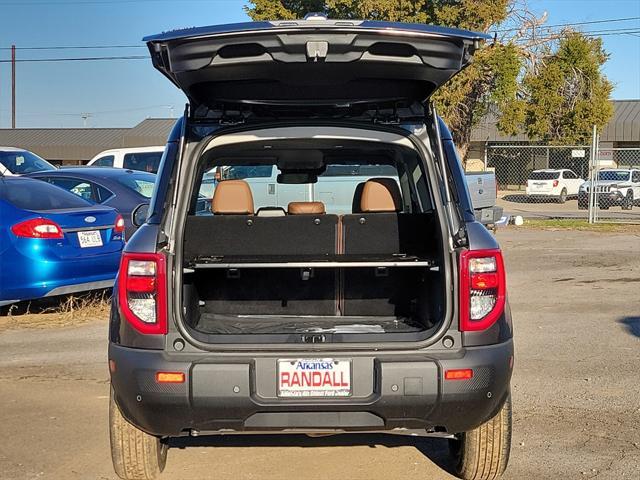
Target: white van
(145, 159)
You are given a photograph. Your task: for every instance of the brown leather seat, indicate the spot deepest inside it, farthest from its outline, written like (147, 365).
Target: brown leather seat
(380, 195)
(306, 208)
(232, 197)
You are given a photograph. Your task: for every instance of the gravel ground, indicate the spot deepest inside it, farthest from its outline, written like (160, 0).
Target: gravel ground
(576, 311)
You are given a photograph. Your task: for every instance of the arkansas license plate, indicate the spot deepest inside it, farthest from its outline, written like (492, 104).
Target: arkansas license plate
(90, 238)
(323, 377)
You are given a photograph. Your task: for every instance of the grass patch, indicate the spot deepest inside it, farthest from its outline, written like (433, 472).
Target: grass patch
(58, 311)
(580, 225)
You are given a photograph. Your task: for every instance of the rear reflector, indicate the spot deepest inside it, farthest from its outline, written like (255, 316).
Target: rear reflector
(170, 377)
(460, 374)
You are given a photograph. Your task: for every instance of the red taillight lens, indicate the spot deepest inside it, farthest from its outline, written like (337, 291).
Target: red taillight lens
(482, 288)
(37, 228)
(142, 291)
(555, 183)
(119, 226)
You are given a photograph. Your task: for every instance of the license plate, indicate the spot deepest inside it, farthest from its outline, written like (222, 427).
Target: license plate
(90, 238)
(323, 377)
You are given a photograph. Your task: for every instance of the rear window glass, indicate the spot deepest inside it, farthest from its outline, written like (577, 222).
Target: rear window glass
(141, 183)
(335, 187)
(360, 170)
(143, 161)
(39, 195)
(544, 175)
(24, 162)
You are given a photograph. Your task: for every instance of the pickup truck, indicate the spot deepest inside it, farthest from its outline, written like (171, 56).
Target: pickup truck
(483, 191)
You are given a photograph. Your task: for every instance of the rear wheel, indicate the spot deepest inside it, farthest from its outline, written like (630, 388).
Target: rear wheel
(483, 453)
(136, 455)
(563, 196)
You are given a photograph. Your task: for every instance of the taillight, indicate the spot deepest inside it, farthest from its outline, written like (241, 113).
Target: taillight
(119, 226)
(555, 183)
(37, 228)
(142, 291)
(482, 288)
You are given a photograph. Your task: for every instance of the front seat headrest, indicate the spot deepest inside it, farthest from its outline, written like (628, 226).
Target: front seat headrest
(305, 208)
(380, 195)
(232, 197)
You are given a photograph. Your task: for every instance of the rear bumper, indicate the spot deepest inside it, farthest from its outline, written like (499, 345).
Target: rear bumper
(605, 198)
(224, 395)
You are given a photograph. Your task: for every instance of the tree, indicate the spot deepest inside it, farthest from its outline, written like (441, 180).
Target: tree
(494, 79)
(567, 94)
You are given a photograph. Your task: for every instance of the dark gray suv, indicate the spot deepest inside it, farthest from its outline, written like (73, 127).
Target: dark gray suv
(281, 308)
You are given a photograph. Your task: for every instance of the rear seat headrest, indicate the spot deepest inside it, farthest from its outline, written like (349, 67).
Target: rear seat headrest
(305, 208)
(232, 197)
(380, 195)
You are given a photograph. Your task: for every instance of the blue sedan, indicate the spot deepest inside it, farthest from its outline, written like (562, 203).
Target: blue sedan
(124, 190)
(53, 242)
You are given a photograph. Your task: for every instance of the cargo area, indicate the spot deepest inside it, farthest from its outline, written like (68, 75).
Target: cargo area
(304, 270)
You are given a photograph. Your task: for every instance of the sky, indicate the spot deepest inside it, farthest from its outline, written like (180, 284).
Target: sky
(121, 93)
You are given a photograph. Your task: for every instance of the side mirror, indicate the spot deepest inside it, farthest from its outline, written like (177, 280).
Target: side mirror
(139, 214)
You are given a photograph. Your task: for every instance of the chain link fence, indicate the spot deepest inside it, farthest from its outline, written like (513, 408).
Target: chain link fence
(553, 181)
(616, 180)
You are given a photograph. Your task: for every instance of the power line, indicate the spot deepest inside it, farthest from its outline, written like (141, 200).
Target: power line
(101, 2)
(76, 47)
(78, 59)
(591, 22)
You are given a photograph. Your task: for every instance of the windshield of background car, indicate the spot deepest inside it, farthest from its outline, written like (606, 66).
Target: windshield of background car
(39, 196)
(141, 183)
(544, 175)
(612, 175)
(22, 162)
(143, 161)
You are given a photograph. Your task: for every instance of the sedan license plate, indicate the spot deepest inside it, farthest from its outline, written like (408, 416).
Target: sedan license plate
(323, 377)
(90, 238)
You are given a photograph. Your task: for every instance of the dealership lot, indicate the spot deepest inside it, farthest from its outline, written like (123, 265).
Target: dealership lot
(576, 311)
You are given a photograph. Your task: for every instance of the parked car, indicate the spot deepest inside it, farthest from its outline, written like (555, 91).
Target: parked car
(145, 159)
(18, 161)
(616, 186)
(559, 184)
(392, 316)
(53, 242)
(124, 190)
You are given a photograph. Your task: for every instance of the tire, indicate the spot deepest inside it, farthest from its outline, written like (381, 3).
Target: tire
(483, 453)
(563, 196)
(136, 455)
(627, 203)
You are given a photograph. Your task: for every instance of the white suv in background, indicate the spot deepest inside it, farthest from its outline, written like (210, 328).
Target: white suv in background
(145, 159)
(559, 184)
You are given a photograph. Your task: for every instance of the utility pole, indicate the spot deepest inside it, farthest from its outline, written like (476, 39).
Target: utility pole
(13, 86)
(85, 117)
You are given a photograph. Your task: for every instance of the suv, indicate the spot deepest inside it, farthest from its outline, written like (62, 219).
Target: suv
(288, 315)
(619, 186)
